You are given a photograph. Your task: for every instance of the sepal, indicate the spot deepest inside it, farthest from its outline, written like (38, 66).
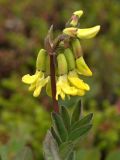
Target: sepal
(70, 59)
(62, 64)
(77, 49)
(41, 59)
(71, 31)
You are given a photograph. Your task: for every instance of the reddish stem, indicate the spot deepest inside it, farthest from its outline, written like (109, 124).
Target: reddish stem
(53, 83)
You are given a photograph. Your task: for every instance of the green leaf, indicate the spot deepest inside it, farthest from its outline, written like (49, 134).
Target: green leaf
(77, 133)
(85, 120)
(50, 148)
(65, 149)
(24, 154)
(60, 127)
(114, 155)
(76, 112)
(56, 137)
(65, 116)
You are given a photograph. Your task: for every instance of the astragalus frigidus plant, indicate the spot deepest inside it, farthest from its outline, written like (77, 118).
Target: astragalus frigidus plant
(59, 68)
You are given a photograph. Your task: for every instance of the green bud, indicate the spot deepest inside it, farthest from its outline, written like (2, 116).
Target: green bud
(47, 67)
(71, 31)
(41, 58)
(70, 59)
(77, 49)
(62, 64)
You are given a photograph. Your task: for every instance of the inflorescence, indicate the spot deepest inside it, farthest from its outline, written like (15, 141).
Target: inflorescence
(69, 63)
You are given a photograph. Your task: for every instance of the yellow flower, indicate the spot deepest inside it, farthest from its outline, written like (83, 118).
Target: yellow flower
(28, 79)
(63, 87)
(80, 92)
(39, 85)
(85, 33)
(82, 67)
(36, 82)
(77, 82)
(88, 33)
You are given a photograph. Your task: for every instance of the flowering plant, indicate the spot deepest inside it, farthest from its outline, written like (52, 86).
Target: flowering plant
(59, 67)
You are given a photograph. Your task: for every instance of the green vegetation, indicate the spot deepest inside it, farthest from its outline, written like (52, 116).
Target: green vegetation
(24, 120)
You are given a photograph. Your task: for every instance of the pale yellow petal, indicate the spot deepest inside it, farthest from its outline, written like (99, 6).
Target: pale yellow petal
(37, 91)
(78, 13)
(82, 67)
(69, 90)
(32, 87)
(28, 79)
(58, 90)
(63, 87)
(80, 92)
(88, 33)
(62, 94)
(39, 85)
(48, 88)
(77, 82)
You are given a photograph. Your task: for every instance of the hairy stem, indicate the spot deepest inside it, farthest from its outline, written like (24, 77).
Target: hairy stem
(53, 83)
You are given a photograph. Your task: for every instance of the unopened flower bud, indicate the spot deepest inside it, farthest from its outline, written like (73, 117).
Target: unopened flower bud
(71, 31)
(78, 13)
(41, 58)
(75, 17)
(74, 21)
(88, 32)
(70, 59)
(77, 49)
(82, 67)
(62, 64)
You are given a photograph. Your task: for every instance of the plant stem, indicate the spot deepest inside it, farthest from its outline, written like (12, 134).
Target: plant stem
(53, 83)
(50, 47)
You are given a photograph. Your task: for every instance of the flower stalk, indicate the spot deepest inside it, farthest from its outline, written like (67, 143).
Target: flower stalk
(50, 50)
(53, 83)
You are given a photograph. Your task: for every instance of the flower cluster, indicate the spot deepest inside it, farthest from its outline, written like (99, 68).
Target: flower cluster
(39, 79)
(69, 64)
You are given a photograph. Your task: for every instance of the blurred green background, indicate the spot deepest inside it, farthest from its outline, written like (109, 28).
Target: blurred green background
(23, 26)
